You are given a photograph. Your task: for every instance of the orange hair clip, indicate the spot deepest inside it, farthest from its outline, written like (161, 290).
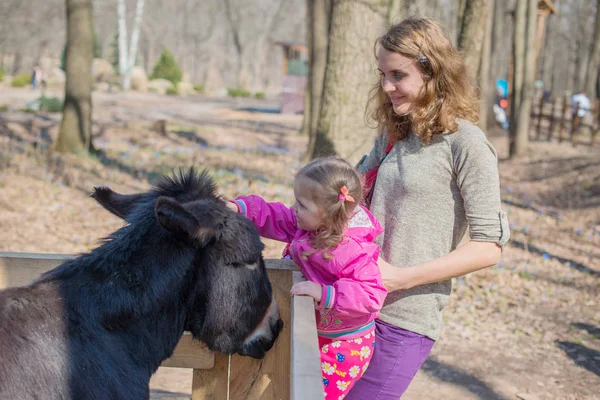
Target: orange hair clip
(344, 195)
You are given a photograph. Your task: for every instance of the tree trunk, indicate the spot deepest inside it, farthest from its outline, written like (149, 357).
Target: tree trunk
(76, 126)
(396, 11)
(499, 50)
(520, 18)
(558, 51)
(122, 17)
(349, 76)
(486, 84)
(261, 41)
(592, 70)
(17, 61)
(42, 52)
(581, 61)
(241, 77)
(548, 53)
(127, 55)
(472, 33)
(525, 22)
(319, 34)
(460, 15)
(452, 19)
(133, 46)
(305, 129)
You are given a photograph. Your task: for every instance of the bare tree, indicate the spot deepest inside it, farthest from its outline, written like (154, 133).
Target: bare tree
(396, 11)
(524, 64)
(10, 10)
(319, 15)
(349, 76)
(234, 24)
(472, 33)
(592, 69)
(76, 126)
(127, 56)
(450, 10)
(500, 44)
(547, 63)
(485, 82)
(460, 15)
(272, 18)
(517, 64)
(581, 25)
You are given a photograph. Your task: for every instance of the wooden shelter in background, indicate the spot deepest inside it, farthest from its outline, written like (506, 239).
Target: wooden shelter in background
(545, 8)
(295, 75)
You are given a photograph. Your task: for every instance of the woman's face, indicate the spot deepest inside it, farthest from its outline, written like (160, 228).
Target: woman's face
(401, 80)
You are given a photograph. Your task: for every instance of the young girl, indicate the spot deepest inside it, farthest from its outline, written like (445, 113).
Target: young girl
(331, 240)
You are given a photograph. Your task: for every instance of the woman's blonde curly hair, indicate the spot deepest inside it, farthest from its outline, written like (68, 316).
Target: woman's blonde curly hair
(448, 92)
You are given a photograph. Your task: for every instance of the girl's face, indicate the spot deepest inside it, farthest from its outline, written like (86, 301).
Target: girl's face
(308, 214)
(401, 80)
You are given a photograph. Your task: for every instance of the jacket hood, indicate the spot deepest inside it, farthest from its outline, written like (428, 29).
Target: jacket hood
(363, 225)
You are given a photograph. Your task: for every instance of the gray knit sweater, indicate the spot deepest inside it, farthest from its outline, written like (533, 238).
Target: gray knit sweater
(425, 197)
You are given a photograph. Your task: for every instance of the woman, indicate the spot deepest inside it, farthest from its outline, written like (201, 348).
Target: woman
(440, 176)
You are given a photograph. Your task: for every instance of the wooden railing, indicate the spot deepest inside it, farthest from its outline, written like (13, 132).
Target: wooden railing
(290, 370)
(558, 118)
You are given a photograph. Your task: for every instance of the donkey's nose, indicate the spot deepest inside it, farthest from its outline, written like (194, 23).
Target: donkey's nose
(276, 328)
(264, 337)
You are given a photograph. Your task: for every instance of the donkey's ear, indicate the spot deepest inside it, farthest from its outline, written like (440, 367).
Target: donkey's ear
(118, 204)
(198, 220)
(175, 218)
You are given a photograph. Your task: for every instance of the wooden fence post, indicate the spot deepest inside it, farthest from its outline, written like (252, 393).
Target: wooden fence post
(563, 119)
(575, 122)
(249, 379)
(554, 107)
(540, 115)
(595, 122)
(305, 362)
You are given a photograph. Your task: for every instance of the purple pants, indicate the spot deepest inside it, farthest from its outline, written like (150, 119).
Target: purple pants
(398, 356)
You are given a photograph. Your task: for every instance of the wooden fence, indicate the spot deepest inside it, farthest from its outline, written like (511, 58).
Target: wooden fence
(557, 118)
(290, 370)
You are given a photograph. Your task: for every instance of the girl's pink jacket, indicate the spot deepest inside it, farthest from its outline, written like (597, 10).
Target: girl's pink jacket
(353, 291)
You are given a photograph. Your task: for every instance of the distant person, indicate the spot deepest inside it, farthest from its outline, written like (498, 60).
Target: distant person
(36, 77)
(500, 116)
(547, 95)
(582, 103)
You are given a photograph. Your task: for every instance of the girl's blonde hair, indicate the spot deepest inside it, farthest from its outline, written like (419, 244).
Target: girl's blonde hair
(328, 176)
(447, 94)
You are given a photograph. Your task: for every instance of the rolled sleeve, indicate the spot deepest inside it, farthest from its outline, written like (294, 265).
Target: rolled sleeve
(476, 168)
(495, 229)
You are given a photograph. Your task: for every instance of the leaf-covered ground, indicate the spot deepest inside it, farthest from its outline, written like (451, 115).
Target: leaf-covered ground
(528, 328)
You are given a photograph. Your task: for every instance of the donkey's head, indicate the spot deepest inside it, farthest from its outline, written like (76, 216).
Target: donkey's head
(228, 299)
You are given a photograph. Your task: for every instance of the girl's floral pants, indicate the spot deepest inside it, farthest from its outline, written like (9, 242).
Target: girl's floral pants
(343, 362)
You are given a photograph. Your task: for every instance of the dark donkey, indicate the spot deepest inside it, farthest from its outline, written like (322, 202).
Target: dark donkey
(98, 326)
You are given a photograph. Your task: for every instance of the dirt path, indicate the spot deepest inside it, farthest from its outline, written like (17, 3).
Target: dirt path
(526, 329)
